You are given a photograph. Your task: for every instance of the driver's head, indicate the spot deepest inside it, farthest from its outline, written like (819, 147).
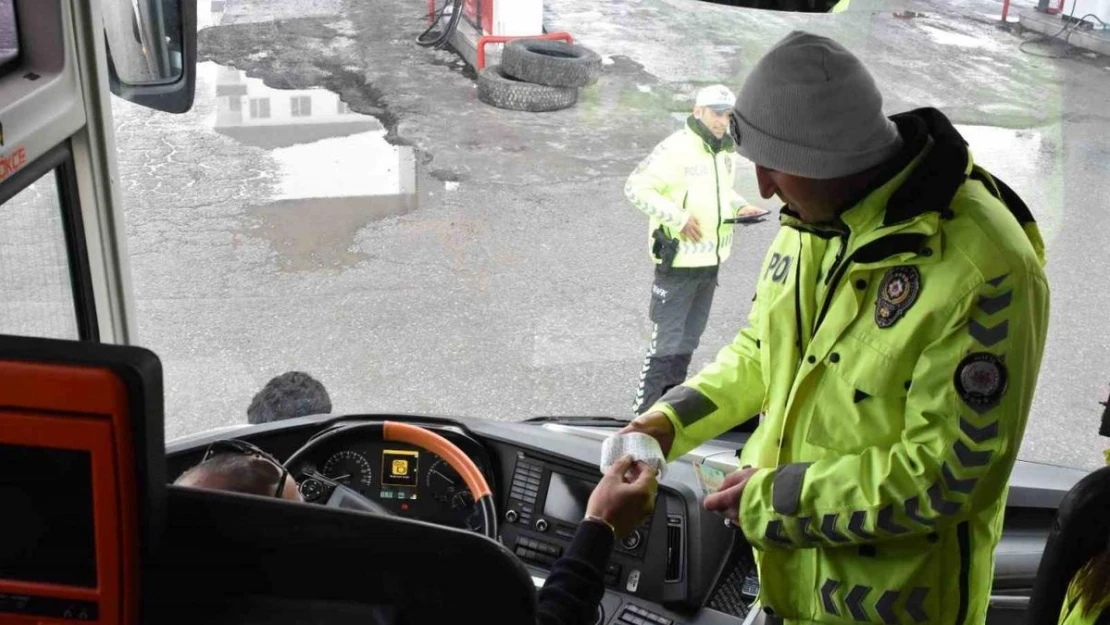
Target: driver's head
(288, 396)
(240, 467)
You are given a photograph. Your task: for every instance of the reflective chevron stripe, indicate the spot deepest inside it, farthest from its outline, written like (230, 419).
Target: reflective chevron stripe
(913, 511)
(884, 607)
(855, 525)
(803, 529)
(979, 435)
(954, 484)
(940, 505)
(970, 458)
(647, 367)
(915, 605)
(885, 604)
(886, 522)
(774, 533)
(702, 247)
(988, 336)
(854, 601)
(992, 305)
(827, 590)
(828, 529)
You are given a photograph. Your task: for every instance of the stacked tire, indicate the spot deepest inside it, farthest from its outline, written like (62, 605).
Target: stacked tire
(537, 75)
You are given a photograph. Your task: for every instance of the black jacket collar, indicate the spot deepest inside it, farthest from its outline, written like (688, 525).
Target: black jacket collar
(715, 145)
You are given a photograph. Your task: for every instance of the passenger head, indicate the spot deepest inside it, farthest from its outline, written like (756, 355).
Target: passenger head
(713, 106)
(810, 117)
(237, 466)
(289, 395)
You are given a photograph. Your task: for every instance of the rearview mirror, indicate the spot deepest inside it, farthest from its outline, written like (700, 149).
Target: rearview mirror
(152, 51)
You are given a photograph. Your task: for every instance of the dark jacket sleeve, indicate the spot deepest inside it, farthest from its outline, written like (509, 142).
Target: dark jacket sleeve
(576, 584)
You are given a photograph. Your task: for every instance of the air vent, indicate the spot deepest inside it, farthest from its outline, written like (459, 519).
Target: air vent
(676, 542)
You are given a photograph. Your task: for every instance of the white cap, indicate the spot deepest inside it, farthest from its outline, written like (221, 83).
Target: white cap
(717, 97)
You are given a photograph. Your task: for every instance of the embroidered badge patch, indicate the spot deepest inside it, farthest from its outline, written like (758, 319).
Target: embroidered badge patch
(981, 380)
(897, 292)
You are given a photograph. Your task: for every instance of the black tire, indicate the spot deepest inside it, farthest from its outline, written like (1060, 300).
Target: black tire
(551, 63)
(497, 89)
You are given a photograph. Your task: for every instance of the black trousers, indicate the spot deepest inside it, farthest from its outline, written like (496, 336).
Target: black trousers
(680, 303)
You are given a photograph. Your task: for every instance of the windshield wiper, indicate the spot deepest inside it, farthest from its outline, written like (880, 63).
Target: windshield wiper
(584, 421)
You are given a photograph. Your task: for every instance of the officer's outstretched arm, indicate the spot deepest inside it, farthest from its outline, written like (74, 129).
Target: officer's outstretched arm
(965, 417)
(652, 179)
(724, 394)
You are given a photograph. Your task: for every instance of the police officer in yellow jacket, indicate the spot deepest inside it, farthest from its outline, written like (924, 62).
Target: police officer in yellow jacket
(1088, 598)
(893, 350)
(686, 187)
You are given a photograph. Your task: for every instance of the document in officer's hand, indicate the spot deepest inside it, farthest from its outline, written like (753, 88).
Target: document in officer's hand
(709, 479)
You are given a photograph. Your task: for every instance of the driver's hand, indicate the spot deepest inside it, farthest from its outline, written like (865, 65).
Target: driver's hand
(625, 496)
(655, 425)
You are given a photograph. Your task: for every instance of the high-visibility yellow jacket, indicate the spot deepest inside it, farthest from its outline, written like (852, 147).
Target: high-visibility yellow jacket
(1077, 612)
(893, 357)
(690, 173)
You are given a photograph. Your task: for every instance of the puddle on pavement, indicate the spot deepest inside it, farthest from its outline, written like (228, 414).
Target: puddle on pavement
(336, 172)
(946, 37)
(1020, 157)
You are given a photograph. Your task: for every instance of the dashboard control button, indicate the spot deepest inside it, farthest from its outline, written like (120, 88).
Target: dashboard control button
(632, 541)
(511, 516)
(633, 581)
(541, 525)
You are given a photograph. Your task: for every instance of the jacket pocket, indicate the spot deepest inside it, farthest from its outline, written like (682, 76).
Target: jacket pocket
(860, 400)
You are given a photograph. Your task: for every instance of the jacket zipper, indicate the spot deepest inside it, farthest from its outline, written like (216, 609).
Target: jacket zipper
(798, 301)
(838, 259)
(963, 532)
(832, 280)
(717, 190)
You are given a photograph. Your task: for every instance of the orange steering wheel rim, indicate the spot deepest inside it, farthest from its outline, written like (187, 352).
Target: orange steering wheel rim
(417, 436)
(396, 432)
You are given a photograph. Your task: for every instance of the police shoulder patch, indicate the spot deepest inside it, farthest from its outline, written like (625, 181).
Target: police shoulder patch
(897, 292)
(981, 379)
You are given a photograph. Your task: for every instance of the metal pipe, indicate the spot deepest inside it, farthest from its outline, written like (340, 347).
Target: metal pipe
(488, 39)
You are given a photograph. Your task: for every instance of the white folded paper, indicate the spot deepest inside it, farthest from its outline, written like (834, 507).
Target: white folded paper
(636, 444)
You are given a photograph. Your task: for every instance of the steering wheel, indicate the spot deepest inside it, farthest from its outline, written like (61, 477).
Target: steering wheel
(418, 436)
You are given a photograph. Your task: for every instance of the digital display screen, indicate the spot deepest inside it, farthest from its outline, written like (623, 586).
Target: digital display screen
(400, 474)
(566, 498)
(47, 521)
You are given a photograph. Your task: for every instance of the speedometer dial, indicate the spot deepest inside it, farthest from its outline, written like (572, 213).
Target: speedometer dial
(453, 497)
(443, 482)
(350, 468)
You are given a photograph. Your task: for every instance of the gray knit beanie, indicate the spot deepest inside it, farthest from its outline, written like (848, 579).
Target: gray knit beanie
(811, 109)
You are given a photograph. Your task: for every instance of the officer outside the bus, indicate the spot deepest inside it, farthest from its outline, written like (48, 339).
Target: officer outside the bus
(686, 187)
(893, 349)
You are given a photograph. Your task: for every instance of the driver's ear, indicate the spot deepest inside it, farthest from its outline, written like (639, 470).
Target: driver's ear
(291, 492)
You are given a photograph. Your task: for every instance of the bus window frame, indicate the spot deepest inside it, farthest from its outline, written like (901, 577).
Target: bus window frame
(58, 161)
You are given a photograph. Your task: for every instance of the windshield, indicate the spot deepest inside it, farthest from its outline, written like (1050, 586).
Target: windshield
(340, 202)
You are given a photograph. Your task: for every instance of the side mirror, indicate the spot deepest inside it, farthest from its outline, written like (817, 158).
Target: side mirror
(152, 51)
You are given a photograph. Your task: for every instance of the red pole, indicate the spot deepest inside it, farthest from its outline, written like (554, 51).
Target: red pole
(488, 39)
(1005, 10)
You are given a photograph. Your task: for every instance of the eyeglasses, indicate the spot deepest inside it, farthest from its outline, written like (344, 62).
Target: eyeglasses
(234, 445)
